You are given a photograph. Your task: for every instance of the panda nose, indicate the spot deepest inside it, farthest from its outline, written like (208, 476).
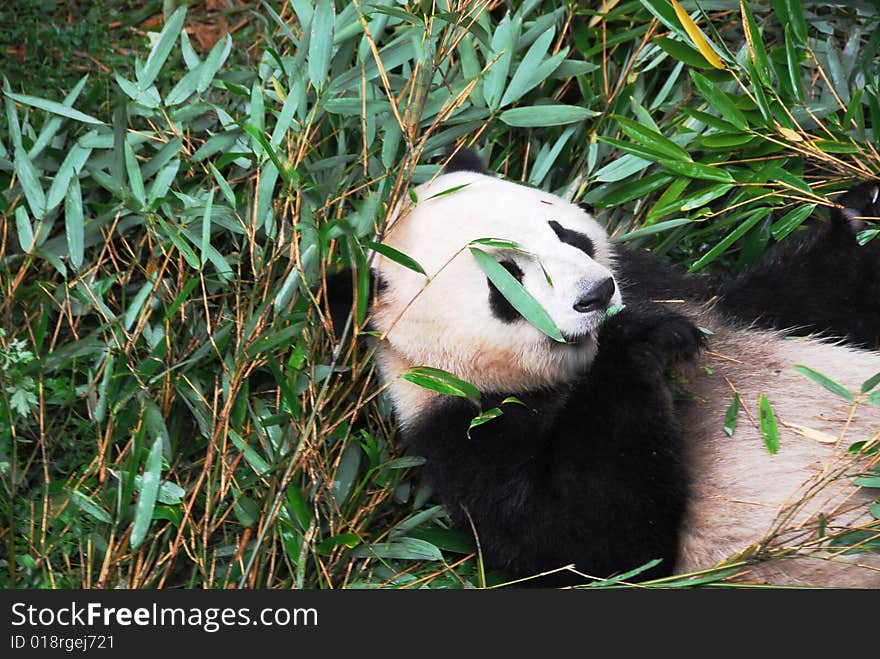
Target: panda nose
(597, 298)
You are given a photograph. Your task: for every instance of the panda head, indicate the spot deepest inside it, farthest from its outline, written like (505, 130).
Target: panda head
(455, 319)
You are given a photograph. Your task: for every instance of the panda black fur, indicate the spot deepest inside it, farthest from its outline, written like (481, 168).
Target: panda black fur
(601, 467)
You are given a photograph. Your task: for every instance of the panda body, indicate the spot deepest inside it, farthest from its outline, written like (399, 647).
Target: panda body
(602, 467)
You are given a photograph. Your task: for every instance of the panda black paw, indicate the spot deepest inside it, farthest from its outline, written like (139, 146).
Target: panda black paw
(857, 204)
(654, 333)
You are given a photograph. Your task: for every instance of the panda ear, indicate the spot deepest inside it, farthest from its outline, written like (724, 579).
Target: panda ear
(862, 201)
(464, 160)
(589, 210)
(339, 297)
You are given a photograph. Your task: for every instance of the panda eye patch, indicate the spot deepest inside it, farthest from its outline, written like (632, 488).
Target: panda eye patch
(573, 238)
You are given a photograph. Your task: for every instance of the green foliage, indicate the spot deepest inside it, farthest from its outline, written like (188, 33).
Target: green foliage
(173, 409)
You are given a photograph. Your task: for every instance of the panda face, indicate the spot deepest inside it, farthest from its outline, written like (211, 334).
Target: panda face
(456, 320)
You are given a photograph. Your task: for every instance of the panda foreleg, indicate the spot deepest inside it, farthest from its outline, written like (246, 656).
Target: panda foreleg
(823, 282)
(592, 476)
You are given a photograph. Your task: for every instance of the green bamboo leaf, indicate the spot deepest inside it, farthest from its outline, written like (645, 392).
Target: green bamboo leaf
(89, 506)
(614, 195)
(442, 382)
(30, 183)
(704, 196)
(485, 417)
(55, 108)
(756, 44)
(868, 481)
(682, 52)
(71, 166)
(225, 188)
(870, 383)
(698, 170)
(792, 61)
(545, 115)
(137, 304)
(791, 221)
(50, 127)
(731, 238)
(622, 168)
(213, 62)
(634, 148)
(24, 229)
(205, 243)
(185, 250)
(257, 134)
(831, 385)
(184, 88)
(769, 427)
(651, 139)
(74, 226)
(402, 549)
(720, 101)
(654, 228)
(731, 415)
(135, 180)
(442, 193)
(148, 97)
(504, 41)
(532, 70)
(514, 292)
(143, 513)
(396, 256)
(162, 48)
(163, 182)
(496, 242)
(321, 43)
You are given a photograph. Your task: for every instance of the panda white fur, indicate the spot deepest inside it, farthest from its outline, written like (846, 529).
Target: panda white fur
(603, 467)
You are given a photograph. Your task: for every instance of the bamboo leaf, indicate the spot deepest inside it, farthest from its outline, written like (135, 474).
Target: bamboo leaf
(73, 223)
(533, 69)
(654, 228)
(165, 42)
(731, 238)
(135, 180)
(756, 44)
(397, 256)
(720, 101)
(791, 221)
(442, 382)
(769, 427)
(90, 506)
(831, 385)
(24, 229)
(55, 108)
(731, 415)
(514, 292)
(143, 513)
(870, 383)
(651, 139)
(321, 43)
(30, 183)
(545, 115)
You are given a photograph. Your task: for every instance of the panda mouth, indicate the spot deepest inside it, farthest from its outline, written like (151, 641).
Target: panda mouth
(580, 338)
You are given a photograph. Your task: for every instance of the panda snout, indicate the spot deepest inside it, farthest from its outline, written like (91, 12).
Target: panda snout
(596, 298)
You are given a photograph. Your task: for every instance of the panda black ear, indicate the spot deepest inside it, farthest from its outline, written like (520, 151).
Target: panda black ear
(464, 160)
(588, 209)
(339, 297)
(861, 201)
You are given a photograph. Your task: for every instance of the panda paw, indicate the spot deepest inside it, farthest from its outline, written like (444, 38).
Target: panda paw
(654, 333)
(861, 201)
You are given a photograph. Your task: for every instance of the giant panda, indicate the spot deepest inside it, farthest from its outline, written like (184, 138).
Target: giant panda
(612, 454)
